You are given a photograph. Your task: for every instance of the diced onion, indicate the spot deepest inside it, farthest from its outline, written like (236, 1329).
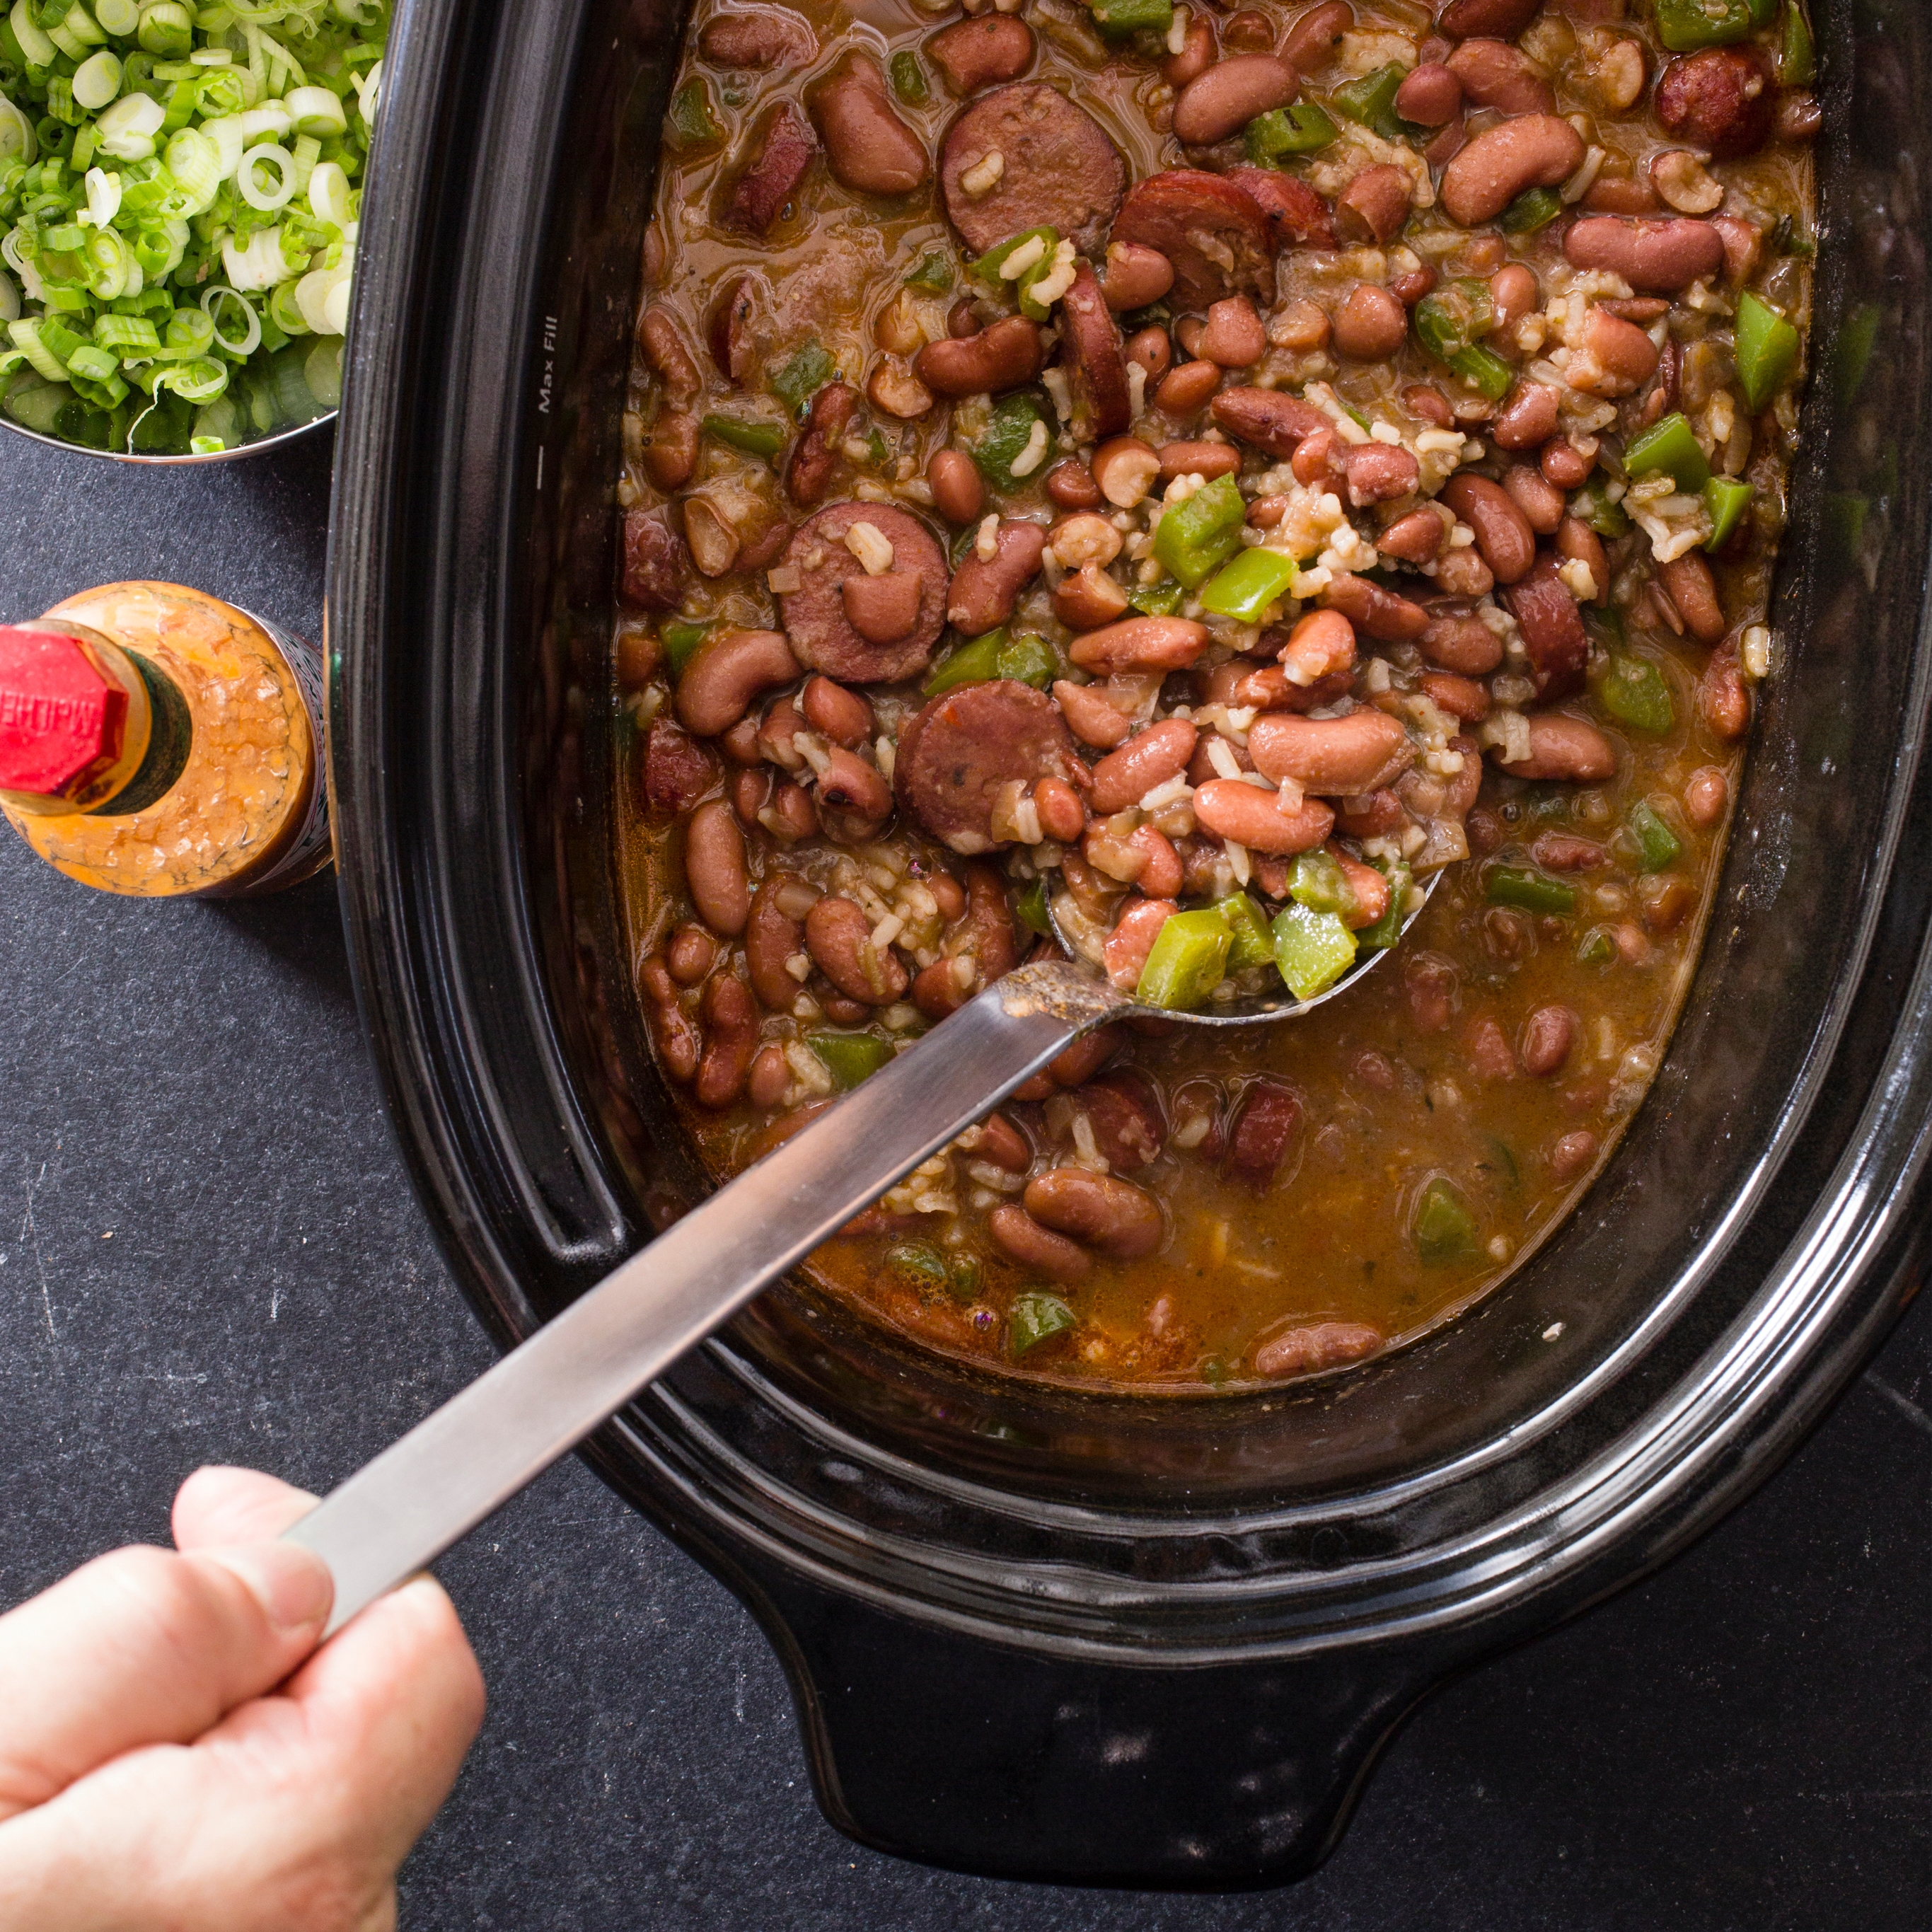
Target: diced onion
(97, 80)
(128, 127)
(314, 110)
(328, 194)
(284, 163)
(242, 345)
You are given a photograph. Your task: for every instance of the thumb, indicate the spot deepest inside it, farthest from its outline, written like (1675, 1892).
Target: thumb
(145, 1646)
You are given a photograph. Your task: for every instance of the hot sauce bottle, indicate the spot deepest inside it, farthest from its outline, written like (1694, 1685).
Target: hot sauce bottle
(157, 742)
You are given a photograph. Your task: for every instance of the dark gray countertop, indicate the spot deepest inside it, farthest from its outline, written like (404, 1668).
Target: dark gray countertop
(209, 1252)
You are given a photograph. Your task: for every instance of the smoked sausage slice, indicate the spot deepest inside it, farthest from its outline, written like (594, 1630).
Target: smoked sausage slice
(1058, 168)
(956, 755)
(814, 615)
(1297, 216)
(786, 146)
(1096, 368)
(1212, 229)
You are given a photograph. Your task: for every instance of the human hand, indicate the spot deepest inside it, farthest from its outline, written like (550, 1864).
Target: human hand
(158, 1774)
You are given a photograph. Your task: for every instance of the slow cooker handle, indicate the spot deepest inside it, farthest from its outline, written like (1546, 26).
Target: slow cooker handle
(1028, 1763)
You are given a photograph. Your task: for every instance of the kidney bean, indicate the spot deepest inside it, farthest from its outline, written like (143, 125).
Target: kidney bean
(1370, 889)
(1378, 472)
(1183, 390)
(663, 344)
(1205, 460)
(855, 794)
(792, 813)
(770, 1077)
(1426, 400)
(1720, 99)
(1124, 469)
(1336, 756)
(727, 670)
(1462, 572)
(678, 1043)
(1575, 539)
(869, 148)
(1527, 418)
(1539, 499)
(990, 921)
(1462, 698)
(1722, 696)
(1162, 874)
(1566, 747)
(1266, 1118)
(1140, 644)
(1062, 817)
(1665, 902)
(1035, 1247)
(1249, 31)
(1743, 242)
(1232, 809)
(1196, 55)
(894, 391)
(984, 592)
(1410, 289)
(1309, 1348)
(1150, 350)
(1488, 1051)
(1547, 1036)
(1445, 143)
(1503, 532)
(669, 450)
(691, 955)
(1099, 1210)
(1656, 257)
(1707, 796)
(772, 936)
(1431, 983)
(1088, 599)
(1224, 99)
(834, 712)
(1373, 206)
(936, 990)
(1135, 275)
(1430, 96)
(1316, 462)
(1090, 717)
(1565, 852)
(1234, 337)
(1485, 176)
(1187, 332)
(1688, 582)
(1614, 357)
(1000, 357)
(758, 37)
(961, 320)
(1491, 20)
(1371, 325)
(731, 1037)
(1150, 758)
(1416, 537)
(1127, 946)
(1322, 644)
(1377, 613)
(1494, 74)
(957, 494)
(808, 469)
(1070, 485)
(714, 865)
(976, 53)
(1311, 41)
(711, 541)
(1514, 294)
(1621, 195)
(838, 935)
(1569, 1153)
(1565, 464)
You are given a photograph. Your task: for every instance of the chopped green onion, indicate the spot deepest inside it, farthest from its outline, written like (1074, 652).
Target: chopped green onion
(1528, 890)
(1313, 948)
(1766, 351)
(1244, 588)
(1188, 960)
(1657, 846)
(97, 80)
(1300, 129)
(1444, 1229)
(1797, 61)
(851, 1058)
(166, 29)
(1117, 18)
(1670, 445)
(1194, 536)
(802, 377)
(1036, 1317)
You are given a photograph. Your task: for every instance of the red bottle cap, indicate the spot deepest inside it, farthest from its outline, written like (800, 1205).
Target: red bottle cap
(60, 715)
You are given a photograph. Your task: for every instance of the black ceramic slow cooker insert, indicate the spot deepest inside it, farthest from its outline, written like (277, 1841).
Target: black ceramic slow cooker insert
(1061, 1635)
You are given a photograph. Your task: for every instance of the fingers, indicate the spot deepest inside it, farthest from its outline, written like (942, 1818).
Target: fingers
(217, 1505)
(144, 1646)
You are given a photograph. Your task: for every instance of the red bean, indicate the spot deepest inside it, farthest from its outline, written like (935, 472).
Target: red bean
(1503, 532)
(1098, 1210)
(838, 935)
(957, 494)
(1234, 337)
(1547, 1036)
(1154, 756)
(1311, 1347)
(1371, 325)
(731, 1037)
(714, 865)
(1527, 418)
(1373, 206)
(690, 955)
(1707, 796)
(1430, 96)
(1229, 95)
(1035, 1247)
(1529, 151)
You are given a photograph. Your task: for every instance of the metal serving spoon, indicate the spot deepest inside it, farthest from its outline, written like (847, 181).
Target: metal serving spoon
(464, 1462)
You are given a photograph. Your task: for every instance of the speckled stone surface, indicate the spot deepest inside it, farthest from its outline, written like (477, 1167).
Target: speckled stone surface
(209, 1252)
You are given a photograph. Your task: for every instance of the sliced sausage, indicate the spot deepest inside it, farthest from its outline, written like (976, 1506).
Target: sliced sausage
(1123, 1110)
(815, 457)
(784, 145)
(955, 755)
(1552, 630)
(1265, 1123)
(1496, 19)
(1661, 257)
(758, 37)
(656, 563)
(1212, 230)
(1298, 217)
(1723, 99)
(975, 53)
(1097, 370)
(815, 616)
(1058, 168)
(729, 330)
(678, 771)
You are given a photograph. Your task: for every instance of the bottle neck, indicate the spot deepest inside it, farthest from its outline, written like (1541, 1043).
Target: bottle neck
(157, 736)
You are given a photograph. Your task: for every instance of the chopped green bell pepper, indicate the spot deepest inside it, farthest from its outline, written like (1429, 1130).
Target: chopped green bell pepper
(690, 124)
(1797, 59)
(680, 641)
(1301, 129)
(1449, 319)
(1312, 949)
(1155, 600)
(1535, 208)
(987, 268)
(1726, 498)
(1036, 1317)
(1031, 906)
(976, 661)
(1684, 25)
(1008, 431)
(1251, 944)
(1633, 691)
(1658, 846)
(1195, 536)
(1387, 930)
(1766, 351)
(755, 438)
(1117, 19)
(1031, 660)
(1188, 961)
(850, 1057)
(1370, 101)
(802, 377)
(1444, 1229)
(919, 1266)
(1670, 445)
(932, 272)
(1484, 370)
(908, 79)
(1528, 890)
(1598, 949)
(1246, 587)
(1593, 504)
(1319, 883)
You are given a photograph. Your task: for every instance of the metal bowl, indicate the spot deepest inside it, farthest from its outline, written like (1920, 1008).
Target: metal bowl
(275, 439)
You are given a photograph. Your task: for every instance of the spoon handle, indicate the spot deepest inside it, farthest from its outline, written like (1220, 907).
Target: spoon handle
(429, 1489)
